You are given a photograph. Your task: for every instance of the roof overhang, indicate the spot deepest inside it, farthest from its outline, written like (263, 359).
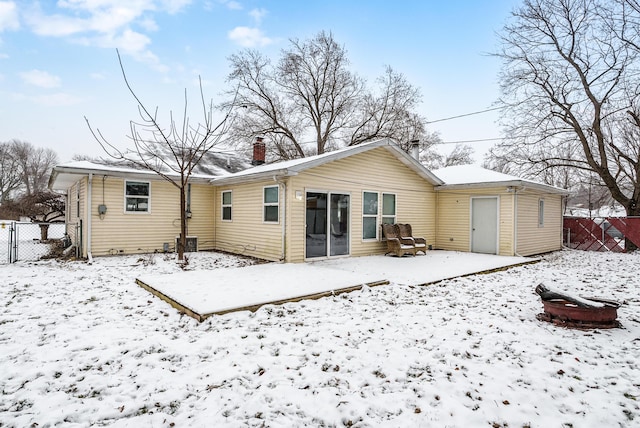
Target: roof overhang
(63, 176)
(518, 185)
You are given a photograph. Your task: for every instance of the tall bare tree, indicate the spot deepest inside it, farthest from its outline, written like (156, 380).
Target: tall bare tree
(172, 151)
(24, 168)
(389, 111)
(570, 90)
(310, 102)
(34, 163)
(10, 177)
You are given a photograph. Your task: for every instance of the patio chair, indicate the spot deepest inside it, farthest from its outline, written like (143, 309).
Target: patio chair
(395, 244)
(418, 242)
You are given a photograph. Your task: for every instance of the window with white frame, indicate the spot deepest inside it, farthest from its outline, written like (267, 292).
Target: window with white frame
(270, 205)
(369, 215)
(388, 208)
(540, 212)
(372, 214)
(137, 195)
(226, 205)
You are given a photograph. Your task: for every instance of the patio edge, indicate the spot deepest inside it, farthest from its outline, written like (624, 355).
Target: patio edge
(201, 317)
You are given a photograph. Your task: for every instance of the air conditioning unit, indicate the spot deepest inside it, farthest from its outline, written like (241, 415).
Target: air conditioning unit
(191, 246)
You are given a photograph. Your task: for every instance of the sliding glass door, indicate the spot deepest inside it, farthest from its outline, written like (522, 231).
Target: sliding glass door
(327, 230)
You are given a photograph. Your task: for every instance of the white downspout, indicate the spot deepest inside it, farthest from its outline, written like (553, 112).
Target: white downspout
(515, 221)
(89, 212)
(284, 220)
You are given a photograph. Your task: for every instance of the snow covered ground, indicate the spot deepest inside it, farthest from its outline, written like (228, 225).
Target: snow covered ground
(82, 345)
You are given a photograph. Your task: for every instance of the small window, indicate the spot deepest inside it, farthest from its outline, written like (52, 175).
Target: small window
(270, 204)
(226, 205)
(137, 196)
(388, 208)
(370, 215)
(541, 213)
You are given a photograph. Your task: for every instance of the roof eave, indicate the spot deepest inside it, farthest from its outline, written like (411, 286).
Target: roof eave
(513, 183)
(248, 178)
(65, 174)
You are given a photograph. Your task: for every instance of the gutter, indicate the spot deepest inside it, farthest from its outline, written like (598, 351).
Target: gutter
(498, 184)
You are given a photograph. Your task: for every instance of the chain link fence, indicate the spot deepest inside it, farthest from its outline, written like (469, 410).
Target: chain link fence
(24, 241)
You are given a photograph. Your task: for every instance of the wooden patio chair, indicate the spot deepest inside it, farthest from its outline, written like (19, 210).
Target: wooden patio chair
(418, 242)
(395, 244)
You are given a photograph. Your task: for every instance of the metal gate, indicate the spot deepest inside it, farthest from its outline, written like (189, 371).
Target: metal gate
(21, 240)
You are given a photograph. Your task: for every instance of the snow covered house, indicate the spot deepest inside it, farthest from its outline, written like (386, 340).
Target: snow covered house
(330, 205)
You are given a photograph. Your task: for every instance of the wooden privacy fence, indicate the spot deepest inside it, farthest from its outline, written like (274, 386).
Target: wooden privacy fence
(601, 233)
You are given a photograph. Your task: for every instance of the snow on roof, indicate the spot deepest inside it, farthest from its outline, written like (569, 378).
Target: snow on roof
(211, 166)
(468, 174)
(295, 165)
(461, 175)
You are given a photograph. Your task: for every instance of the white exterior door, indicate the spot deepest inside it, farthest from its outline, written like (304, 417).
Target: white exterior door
(484, 225)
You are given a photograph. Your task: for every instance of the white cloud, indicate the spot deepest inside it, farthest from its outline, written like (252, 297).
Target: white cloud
(8, 16)
(40, 78)
(4, 56)
(105, 23)
(232, 4)
(249, 37)
(97, 76)
(258, 14)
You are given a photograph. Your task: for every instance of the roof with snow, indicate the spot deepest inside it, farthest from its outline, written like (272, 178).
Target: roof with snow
(211, 166)
(293, 167)
(470, 176)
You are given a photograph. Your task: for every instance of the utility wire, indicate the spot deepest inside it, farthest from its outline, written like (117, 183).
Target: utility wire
(469, 141)
(463, 115)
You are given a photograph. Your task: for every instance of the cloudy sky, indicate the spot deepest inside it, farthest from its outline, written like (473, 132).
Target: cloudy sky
(58, 60)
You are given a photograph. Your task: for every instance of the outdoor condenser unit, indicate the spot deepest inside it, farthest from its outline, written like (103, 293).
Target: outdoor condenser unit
(191, 246)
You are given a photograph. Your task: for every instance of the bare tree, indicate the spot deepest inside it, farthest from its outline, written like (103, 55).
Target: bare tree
(311, 96)
(462, 154)
(389, 112)
(41, 207)
(34, 165)
(172, 152)
(570, 91)
(10, 177)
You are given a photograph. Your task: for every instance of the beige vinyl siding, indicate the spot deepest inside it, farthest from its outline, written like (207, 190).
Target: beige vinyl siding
(377, 171)
(73, 218)
(121, 232)
(246, 233)
(454, 219)
(535, 239)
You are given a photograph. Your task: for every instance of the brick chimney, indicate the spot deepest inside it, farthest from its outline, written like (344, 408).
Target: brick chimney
(259, 151)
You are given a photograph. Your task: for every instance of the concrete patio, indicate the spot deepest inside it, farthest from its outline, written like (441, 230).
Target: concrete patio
(202, 294)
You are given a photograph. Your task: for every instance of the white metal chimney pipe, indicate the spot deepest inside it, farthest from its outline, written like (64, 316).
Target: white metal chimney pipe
(415, 149)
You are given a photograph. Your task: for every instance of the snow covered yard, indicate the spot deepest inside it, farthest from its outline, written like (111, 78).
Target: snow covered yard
(83, 345)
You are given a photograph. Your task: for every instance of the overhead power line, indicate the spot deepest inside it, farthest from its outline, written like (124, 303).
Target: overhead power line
(470, 141)
(463, 115)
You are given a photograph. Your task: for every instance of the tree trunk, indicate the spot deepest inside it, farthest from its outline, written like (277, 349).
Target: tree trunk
(182, 241)
(633, 210)
(44, 231)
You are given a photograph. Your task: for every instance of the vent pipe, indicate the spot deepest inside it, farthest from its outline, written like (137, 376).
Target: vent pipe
(415, 149)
